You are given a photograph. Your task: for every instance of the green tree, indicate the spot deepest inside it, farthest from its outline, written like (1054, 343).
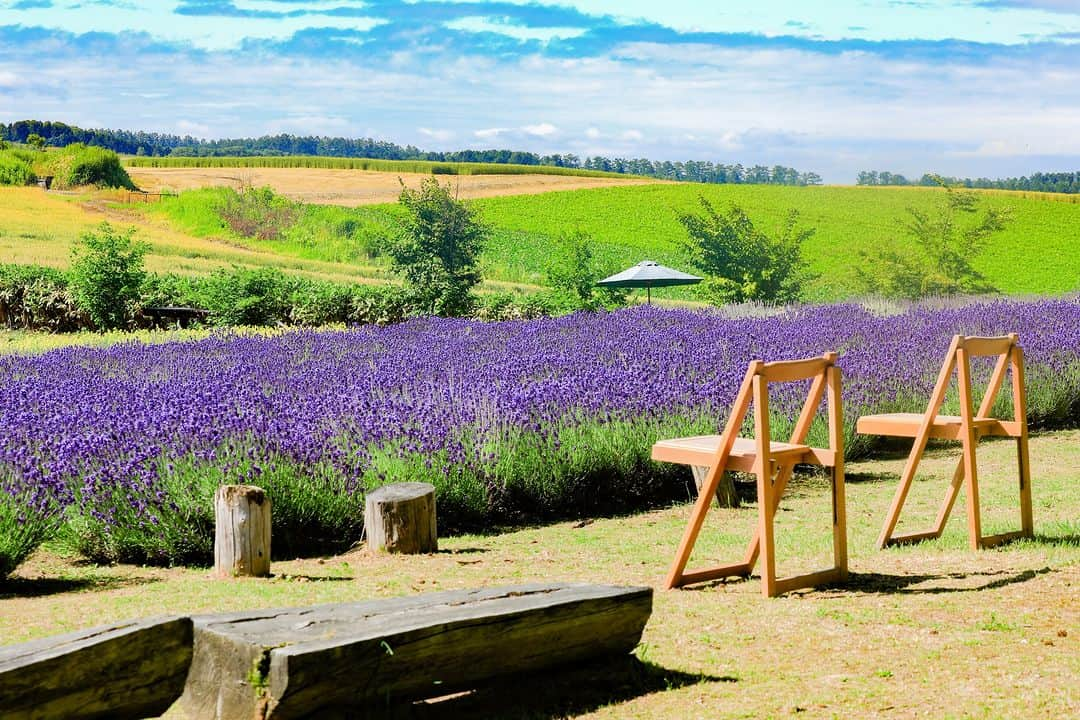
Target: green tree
(941, 246)
(574, 274)
(106, 274)
(742, 263)
(35, 141)
(437, 249)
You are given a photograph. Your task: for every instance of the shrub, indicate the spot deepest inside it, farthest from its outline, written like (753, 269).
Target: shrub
(438, 249)
(575, 272)
(15, 170)
(259, 213)
(38, 298)
(107, 274)
(79, 164)
(249, 297)
(937, 260)
(742, 263)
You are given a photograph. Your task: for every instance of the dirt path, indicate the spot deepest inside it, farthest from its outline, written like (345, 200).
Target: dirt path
(360, 187)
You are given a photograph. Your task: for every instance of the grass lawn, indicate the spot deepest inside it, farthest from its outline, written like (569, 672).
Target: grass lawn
(933, 630)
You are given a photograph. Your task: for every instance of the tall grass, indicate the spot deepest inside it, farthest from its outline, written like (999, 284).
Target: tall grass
(332, 163)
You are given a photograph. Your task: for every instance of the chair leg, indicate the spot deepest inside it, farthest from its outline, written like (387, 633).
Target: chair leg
(971, 487)
(766, 511)
(840, 558)
(753, 548)
(1026, 522)
(950, 498)
(906, 478)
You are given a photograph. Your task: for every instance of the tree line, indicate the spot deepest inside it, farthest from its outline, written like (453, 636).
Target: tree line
(58, 134)
(1061, 182)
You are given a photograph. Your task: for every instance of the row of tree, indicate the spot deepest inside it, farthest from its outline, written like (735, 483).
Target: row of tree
(57, 134)
(1062, 182)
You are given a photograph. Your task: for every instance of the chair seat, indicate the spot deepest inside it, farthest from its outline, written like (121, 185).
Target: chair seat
(701, 450)
(946, 427)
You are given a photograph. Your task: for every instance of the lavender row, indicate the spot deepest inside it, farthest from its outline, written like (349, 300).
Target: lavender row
(448, 396)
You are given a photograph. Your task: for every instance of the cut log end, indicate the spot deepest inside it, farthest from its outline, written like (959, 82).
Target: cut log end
(400, 518)
(242, 531)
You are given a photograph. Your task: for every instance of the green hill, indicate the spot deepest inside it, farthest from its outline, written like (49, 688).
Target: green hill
(1039, 252)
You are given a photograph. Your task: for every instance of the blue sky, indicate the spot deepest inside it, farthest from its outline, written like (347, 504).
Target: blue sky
(962, 87)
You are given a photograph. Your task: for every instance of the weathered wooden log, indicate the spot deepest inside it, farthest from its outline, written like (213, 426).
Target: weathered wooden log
(307, 662)
(127, 670)
(241, 531)
(400, 518)
(725, 489)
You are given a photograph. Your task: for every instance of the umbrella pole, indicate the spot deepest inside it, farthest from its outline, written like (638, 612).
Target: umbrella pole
(648, 295)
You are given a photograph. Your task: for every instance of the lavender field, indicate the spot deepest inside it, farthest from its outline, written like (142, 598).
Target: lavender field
(119, 450)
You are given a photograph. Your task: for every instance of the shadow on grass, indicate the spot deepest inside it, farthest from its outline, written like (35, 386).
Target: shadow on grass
(17, 587)
(1053, 540)
(934, 584)
(563, 693)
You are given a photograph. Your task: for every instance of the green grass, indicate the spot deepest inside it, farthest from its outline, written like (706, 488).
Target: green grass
(917, 629)
(1039, 252)
(335, 163)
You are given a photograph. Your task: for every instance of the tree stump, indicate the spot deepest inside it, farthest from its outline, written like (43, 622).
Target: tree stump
(400, 518)
(242, 531)
(725, 489)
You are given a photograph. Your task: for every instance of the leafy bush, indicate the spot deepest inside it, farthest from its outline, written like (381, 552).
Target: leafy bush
(249, 297)
(259, 213)
(38, 298)
(938, 259)
(575, 272)
(79, 164)
(742, 263)
(15, 170)
(438, 249)
(107, 274)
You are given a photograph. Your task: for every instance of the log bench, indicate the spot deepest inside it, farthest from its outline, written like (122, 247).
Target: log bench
(126, 670)
(316, 661)
(306, 662)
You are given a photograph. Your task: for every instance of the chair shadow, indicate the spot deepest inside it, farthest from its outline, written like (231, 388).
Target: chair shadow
(1055, 540)
(575, 690)
(19, 587)
(934, 584)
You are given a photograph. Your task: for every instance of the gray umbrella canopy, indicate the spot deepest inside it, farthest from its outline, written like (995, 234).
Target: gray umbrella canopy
(648, 274)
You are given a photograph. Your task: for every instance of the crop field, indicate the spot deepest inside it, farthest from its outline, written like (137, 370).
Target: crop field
(1038, 253)
(352, 187)
(510, 421)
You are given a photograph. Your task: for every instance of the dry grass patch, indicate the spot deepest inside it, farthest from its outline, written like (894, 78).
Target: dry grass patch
(360, 187)
(932, 630)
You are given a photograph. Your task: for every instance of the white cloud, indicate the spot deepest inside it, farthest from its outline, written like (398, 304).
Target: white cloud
(8, 79)
(491, 133)
(195, 129)
(632, 135)
(501, 26)
(439, 135)
(542, 130)
(592, 133)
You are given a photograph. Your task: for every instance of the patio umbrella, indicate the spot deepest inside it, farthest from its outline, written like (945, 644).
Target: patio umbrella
(648, 274)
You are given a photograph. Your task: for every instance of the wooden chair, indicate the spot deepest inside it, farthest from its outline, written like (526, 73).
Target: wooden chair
(968, 427)
(773, 463)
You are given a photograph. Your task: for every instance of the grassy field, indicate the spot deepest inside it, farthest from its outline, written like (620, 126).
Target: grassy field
(930, 630)
(390, 166)
(1039, 252)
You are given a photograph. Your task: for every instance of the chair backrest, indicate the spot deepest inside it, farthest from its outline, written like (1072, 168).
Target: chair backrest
(825, 375)
(1010, 357)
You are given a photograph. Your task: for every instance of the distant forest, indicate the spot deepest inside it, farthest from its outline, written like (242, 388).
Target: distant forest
(58, 134)
(1063, 182)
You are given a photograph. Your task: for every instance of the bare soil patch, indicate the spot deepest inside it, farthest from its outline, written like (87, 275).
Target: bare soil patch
(360, 187)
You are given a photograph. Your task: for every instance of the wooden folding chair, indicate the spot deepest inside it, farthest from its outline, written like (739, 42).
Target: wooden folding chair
(968, 427)
(773, 463)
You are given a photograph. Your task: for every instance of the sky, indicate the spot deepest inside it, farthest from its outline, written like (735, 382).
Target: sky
(959, 87)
